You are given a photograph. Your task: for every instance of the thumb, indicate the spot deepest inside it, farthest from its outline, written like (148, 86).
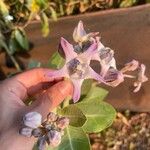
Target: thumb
(52, 97)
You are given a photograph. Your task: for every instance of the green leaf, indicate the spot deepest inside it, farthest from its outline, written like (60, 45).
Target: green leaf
(21, 38)
(73, 139)
(53, 13)
(13, 45)
(56, 61)
(128, 3)
(99, 115)
(75, 115)
(45, 24)
(3, 8)
(96, 93)
(42, 3)
(86, 86)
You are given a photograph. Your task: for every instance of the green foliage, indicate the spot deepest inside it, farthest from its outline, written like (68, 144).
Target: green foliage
(45, 24)
(74, 139)
(99, 115)
(21, 38)
(128, 3)
(75, 115)
(56, 61)
(15, 16)
(95, 93)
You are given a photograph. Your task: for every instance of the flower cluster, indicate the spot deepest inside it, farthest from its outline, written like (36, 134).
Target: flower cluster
(89, 47)
(48, 132)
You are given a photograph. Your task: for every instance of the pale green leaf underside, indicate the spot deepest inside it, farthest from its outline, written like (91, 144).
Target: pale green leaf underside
(99, 115)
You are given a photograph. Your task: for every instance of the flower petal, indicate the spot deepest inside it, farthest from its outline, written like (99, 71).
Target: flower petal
(80, 29)
(131, 66)
(114, 77)
(93, 75)
(68, 49)
(77, 89)
(100, 45)
(79, 32)
(63, 72)
(87, 55)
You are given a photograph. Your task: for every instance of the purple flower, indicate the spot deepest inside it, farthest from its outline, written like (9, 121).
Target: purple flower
(77, 67)
(80, 35)
(113, 77)
(62, 123)
(131, 66)
(105, 57)
(54, 138)
(141, 78)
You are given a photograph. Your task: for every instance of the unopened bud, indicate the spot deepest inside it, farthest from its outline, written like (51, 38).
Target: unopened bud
(41, 143)
(54, 138)
(51, 117)
(26, 132)
(37, 132)
(62, 123)
(32, 119)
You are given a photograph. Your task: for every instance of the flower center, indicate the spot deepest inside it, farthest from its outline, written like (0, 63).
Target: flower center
(106, 54)
(77, 69)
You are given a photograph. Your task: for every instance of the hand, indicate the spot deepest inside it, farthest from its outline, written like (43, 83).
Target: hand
(14, 92)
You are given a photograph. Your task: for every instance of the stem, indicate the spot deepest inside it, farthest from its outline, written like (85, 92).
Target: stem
(66, 102)
(13, 59)
(129, 76)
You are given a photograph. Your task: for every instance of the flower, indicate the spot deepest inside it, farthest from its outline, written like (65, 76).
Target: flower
(80, 35)
(54, 138)
(62, 122)
(41, 143)
(26, 131)
(105, 56)
(141, 78)
(77, 67)
(113, 77)
(131, 66)
(51, 117)
(32, 119)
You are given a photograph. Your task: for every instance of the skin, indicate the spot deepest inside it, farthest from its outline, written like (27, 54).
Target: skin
(48, 94)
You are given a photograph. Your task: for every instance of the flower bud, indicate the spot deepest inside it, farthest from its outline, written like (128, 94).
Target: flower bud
(54, 138)
(26, 132)
(41, 143)
(62, 123)
(51, 117)
(32, 119)
(37, 132)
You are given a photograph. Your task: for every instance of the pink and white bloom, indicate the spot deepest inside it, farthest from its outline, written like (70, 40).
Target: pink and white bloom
(105, 56)
(77, 67)
(113, 77)
(131, 66)
(80, 35)
(141, 78)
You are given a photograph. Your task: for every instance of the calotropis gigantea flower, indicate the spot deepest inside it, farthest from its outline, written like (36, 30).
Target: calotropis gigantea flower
(131, 66)
(141, 78)
(105, 55)
(80, 35)
(77, 67)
